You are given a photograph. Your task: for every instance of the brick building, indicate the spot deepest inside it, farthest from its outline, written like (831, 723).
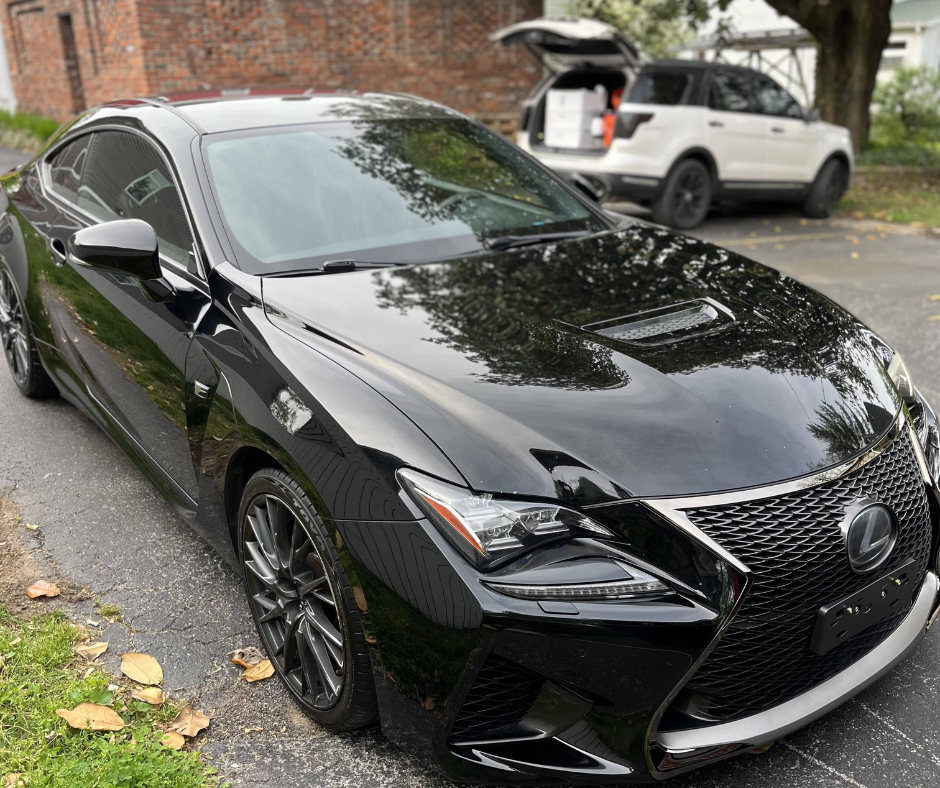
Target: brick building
(65, 55)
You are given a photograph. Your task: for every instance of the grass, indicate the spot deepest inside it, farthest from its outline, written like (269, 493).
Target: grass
(24, 131)
(41, 674)
(908, 195)
(109, 611)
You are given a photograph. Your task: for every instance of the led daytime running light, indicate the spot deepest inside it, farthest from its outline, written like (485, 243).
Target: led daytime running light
(619, 589)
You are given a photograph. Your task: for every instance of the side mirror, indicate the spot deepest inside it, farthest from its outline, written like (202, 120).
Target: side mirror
(127, 246)
(593, 188)
(812, 116)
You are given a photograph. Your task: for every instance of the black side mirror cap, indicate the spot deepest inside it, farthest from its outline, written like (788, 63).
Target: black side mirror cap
(128, 246)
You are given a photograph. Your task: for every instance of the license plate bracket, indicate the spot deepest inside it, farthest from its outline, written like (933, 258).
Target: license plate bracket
(841, 620)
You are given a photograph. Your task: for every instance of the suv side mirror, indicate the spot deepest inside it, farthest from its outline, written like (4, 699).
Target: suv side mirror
(593, 188)
(127, 246)
(812, 116)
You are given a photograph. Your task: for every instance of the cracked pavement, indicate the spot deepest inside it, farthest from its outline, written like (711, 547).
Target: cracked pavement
(102, 526)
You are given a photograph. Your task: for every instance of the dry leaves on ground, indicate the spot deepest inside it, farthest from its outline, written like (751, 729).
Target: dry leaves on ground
(2, 661)
(12, 779)
(189, 722)
(91, 651)
(93, 716)
(263, 670)
(141, 668)
(173, 740)
(42, 588)
(152, 695)
(245, 657)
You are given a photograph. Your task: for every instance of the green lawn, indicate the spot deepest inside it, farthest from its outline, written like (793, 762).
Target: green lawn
(40, 673)
(907, 195)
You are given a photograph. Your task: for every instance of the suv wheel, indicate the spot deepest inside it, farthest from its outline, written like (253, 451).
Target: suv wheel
(686, 198)
(18, 345)
(302, 604)
(827, 190)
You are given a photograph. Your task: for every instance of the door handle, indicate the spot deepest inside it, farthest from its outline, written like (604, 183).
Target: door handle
(716, 124)
(57, 247)
(777, 130)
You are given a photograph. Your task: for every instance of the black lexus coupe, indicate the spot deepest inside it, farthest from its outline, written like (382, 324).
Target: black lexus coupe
(556, 497)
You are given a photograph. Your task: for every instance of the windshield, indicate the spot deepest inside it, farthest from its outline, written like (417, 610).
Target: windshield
(405, 190)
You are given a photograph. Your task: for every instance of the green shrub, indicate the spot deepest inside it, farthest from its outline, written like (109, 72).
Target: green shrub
(25, 131)
(907, 108)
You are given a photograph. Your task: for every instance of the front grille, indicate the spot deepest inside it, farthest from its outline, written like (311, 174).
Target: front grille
(501, 695)
(794, 547)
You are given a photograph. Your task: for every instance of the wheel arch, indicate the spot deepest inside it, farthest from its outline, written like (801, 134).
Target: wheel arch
(837, 155)
(698, 153)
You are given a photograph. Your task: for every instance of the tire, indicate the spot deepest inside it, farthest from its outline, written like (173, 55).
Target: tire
(302, 603)
(19, 347)
(827, 190)
(686, 197)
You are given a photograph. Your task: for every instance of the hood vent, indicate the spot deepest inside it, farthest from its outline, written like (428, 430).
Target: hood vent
(667, 324)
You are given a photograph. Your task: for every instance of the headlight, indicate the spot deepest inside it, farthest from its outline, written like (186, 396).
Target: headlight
(897, 370)
(488, 530)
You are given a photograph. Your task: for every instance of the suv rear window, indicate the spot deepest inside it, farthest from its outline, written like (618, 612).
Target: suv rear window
(660, 87)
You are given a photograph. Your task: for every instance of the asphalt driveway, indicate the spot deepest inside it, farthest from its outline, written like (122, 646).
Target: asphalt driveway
(101, 526)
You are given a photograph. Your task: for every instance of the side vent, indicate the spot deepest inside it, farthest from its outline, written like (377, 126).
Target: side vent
(667, 324)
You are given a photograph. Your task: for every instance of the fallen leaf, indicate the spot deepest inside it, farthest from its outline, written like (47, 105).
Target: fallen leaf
(858, 214)
(934, 317)
(855, 255)
(152, 695)
(429, 703)
(778, 247)
(935, 298)
(15, 641)
(778, 229)
(1, 661)
(245, 657)
(263, 670)
(141, 668)
(30, 527)
(870, 238)
(917, 224)
(189, 721)
(42, 588)
(804, 222)
(173, 740)
(12, 779)
(91, 651)
(93, 716)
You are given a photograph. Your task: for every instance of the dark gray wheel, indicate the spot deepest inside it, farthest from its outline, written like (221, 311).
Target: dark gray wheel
(827, 190)
(18, 346)
(302, 604)
(686, 197)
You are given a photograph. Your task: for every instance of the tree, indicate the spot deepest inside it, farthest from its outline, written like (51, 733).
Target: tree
(907, 108)
(851, 33)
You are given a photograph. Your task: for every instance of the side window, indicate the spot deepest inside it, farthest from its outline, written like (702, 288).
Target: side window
(65, 168)
(126, 178)
(730, 92)
(660, 87)
(774, 100)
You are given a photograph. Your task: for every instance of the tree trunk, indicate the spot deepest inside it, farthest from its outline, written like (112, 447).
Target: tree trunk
(852, 35)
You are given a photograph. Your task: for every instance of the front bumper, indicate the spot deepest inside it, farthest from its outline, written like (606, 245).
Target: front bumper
(509, 691)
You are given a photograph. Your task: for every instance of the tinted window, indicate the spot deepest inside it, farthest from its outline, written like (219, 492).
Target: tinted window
(731, 92)
(407, 190)
(774, 100)
(660, 87)
(125, 178)
(65, 168)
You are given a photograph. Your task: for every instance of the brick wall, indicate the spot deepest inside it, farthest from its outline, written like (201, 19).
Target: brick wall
(433, 48)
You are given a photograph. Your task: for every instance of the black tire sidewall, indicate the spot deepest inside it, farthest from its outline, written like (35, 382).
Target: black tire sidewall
(38, 384)
(662, 207)
(816, 205)
(345, 714)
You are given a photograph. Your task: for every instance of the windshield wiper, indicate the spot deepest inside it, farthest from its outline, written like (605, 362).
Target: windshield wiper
(342, 266)
(512, 241)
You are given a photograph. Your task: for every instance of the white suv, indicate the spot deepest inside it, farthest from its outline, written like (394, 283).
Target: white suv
(686, 133)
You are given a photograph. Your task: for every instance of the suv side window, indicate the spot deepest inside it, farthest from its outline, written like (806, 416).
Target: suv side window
(660, 87)
(126, 178)
(65, 168)
(730, 92)
(774, 100)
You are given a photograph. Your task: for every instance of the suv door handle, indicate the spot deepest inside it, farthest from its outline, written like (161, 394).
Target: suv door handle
(57, 247)
(777, 130)
(716, 124)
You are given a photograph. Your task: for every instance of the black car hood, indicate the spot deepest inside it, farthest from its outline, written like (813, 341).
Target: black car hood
(761, 380)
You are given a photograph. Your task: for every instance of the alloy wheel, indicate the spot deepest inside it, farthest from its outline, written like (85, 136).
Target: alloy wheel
(13, 332)
(292, 593)
(690, 199)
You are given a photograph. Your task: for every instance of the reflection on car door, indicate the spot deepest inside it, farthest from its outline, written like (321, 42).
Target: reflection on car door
(132, 350)
(791, 155)
(735, 133)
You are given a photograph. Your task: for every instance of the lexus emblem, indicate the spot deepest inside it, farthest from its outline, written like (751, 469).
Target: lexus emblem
(870, 530)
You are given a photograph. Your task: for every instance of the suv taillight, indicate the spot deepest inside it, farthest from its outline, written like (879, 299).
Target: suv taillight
(629, 122)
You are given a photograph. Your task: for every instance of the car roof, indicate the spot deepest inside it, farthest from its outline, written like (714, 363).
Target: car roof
(210, 112)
